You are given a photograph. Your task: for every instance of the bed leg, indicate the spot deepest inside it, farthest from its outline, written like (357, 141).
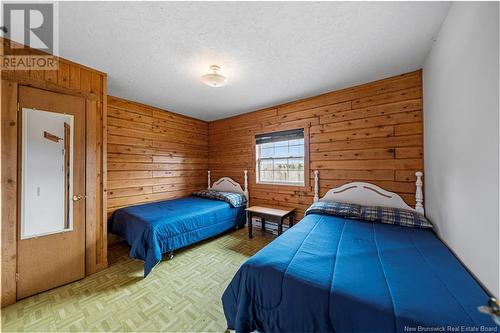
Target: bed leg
(170, 255)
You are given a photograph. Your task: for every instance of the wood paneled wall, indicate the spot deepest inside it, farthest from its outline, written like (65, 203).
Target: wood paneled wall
(371, 132)
(73, 79)
(153, 154)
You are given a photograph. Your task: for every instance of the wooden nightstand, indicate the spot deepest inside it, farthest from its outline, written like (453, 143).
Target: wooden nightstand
(271, 214)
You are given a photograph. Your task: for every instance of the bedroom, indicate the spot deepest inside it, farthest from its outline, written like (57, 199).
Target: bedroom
(251, 166)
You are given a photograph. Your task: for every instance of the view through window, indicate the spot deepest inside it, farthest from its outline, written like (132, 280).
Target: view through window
(280, 157)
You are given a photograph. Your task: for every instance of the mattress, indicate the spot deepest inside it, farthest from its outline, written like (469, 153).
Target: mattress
(330, 274)
(159, 227)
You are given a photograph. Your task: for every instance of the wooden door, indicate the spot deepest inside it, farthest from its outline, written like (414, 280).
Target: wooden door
(50, 260)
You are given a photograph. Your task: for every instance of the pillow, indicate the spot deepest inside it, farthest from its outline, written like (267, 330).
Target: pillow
(346, 210)
(234, 199)
(397, 216)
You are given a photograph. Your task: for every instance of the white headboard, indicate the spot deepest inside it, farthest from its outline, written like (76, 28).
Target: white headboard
(226, 184)
(370, 195)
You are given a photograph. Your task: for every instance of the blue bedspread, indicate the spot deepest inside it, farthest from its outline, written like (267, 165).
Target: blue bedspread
(329, 274)
(156, 228)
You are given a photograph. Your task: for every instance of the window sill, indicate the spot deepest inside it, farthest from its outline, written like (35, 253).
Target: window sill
(281, 186)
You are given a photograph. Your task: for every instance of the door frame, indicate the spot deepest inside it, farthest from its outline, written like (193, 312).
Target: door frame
(95, 180)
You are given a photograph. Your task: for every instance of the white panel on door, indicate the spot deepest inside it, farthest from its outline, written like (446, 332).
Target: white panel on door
(47, 173)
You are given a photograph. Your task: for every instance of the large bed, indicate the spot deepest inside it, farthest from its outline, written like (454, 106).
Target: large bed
(156, 228)
(335, 274)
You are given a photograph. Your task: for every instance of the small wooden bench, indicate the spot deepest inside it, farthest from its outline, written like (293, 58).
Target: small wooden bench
(270, 214)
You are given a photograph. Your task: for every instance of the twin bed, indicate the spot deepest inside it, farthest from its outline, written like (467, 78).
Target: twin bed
(330, 272)
(161, 227)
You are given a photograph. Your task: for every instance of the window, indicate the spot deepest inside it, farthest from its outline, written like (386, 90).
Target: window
(280, 157)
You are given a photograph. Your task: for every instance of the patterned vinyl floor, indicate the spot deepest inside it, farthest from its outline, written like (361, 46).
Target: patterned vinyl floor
(180, 295)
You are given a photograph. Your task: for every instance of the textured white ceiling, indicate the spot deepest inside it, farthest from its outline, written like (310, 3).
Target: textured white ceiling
(271, 52)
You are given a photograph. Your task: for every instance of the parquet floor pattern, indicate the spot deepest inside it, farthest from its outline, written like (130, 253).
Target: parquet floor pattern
(182, 295)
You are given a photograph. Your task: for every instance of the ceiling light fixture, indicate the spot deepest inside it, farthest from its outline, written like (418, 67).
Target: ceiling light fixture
(214, 79)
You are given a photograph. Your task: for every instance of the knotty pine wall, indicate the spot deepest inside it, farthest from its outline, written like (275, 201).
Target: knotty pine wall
(153, 154)
(371, 132)
(72, 79)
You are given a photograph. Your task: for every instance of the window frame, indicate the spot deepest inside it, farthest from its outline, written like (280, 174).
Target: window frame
(285, 186)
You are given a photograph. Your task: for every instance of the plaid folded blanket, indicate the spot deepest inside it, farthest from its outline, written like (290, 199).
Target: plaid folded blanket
(397, 216)
(346, 210)
(234, 199)
(389, 215)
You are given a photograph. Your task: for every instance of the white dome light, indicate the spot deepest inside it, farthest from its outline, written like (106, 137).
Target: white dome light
(214, 79)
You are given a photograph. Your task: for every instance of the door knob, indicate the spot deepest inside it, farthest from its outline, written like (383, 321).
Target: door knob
(78, 197)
